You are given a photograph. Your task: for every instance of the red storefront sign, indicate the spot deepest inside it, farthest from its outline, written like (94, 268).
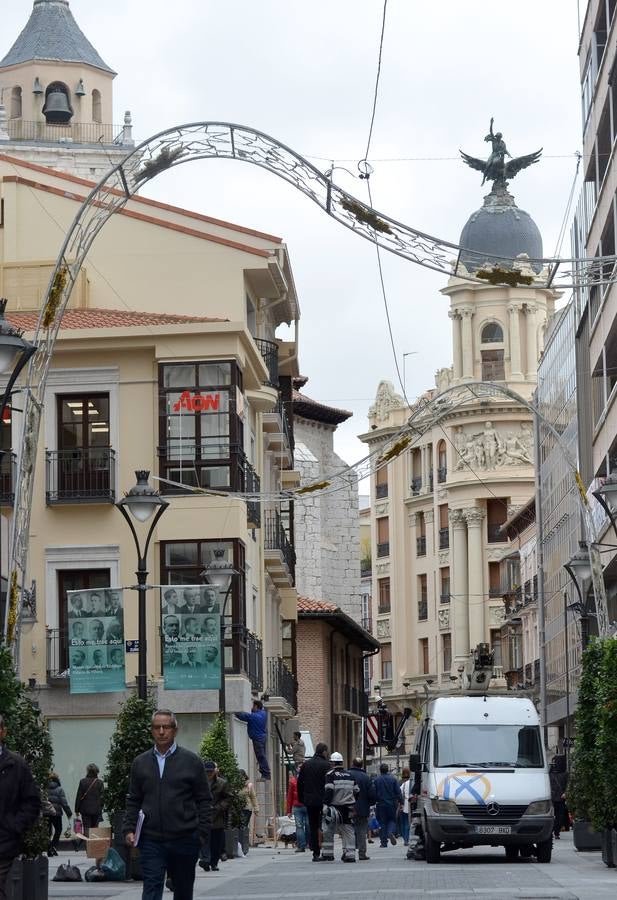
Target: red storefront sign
(197, 402)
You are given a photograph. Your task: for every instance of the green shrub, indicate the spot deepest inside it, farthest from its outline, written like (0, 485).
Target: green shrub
(132, 736)
(604, 810)
(215, 746)
(586, 769)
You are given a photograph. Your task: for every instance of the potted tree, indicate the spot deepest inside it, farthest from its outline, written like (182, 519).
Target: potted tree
(605, 807)
(131, 737)
(585, 771)
(215, 746)
(28, 735)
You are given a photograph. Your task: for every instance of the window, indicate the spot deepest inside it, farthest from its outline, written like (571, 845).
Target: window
(15, 103)
(97, 115)
(496, 645)
(494, 580)
(512, 745)
(57, 109)
(422, 598)
(200, 430)
(446, 652)
(442, 462)
(423, 656)
(383, 585)
(416, 471)
(82, 465)
(381, 482)
(71, 580)
(386, 662)
(420, 535)
(444, 530)
(444, 582)
(492, 334)
(496, 515)
(492, 365)
(383, 536)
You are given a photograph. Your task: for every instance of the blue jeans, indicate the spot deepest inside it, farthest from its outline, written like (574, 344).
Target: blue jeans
(300, 814)
(386, 816)
(177, 858)
(259, 747)
(405, 827)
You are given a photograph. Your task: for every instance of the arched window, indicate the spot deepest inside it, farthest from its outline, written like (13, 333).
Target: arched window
(492, 333)
(96, 106)
(16, 103)
(57, 109)
(442, 462)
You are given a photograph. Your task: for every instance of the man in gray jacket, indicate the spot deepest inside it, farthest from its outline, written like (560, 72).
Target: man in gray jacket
(340, 795)
(169, 794)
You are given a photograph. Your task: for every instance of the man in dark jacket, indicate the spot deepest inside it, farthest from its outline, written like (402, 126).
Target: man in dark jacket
(364, 800)
(20, 804)
(558, 776)
(256, 722)
(311, 792)
(389, 798)
(221, 800)
(168, 785)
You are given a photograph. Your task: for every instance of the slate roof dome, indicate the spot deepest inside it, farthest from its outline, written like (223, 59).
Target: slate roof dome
(500, 230)
(51, 33)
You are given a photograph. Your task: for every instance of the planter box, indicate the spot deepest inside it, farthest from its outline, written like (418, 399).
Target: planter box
(609, 847)
(232, 836)
(585, 838)
(36, 878)
(15, 881)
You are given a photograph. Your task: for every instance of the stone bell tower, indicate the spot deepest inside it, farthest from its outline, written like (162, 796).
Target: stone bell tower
(56, 103)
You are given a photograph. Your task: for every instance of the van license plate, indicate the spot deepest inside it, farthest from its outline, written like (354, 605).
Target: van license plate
(493, 829)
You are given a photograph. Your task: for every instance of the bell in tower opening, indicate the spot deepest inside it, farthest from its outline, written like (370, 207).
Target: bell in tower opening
(57, 109)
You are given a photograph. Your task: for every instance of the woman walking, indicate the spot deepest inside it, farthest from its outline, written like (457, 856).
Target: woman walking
(57, 798)
(89, 799)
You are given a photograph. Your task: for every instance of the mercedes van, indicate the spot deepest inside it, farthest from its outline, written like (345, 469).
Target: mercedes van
(482, 778)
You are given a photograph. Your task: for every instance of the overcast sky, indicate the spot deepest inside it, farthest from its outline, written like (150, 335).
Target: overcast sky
(304, 73)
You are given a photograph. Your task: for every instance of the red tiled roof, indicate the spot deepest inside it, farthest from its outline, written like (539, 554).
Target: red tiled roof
(106, 318)
(306, 604)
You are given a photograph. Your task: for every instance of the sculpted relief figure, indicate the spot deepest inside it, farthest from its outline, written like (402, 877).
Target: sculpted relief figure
(489, 450)
(516, 452)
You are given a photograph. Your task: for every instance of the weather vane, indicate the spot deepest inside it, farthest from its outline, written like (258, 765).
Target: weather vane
(496, 169)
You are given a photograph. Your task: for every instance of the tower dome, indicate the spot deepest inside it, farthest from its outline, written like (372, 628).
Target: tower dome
(500, 230)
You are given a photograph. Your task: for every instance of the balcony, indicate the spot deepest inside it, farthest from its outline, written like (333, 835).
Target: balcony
(74, 133)
(383, 549)
(416, 485)
(279, 432)
(351, 701)
(421, 546)
(250, 483)
(381, 490)
(281, 687)
(444, 538)
(442, 474)
(80, 476)
(280, 556)
(444, 598)
(57, 655)
(366, 568)
(422, 609)
(494, 533)
(244, 655)
(270, 352)
(8, 473)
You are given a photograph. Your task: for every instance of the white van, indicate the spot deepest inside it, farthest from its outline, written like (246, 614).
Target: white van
(482, 777)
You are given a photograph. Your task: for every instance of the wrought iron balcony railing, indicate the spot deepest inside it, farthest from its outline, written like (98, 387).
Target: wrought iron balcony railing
(442, 474)
(381, 490)
(270, 352)
(416, 485)
(275, 538)
(421, 545)
(383, 549)
(73, 132)
(282, 682)
(422, 610)
(80, 476)
(444, 538)
(8, 472)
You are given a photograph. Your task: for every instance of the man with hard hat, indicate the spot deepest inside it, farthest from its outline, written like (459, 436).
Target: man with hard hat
(338, 810)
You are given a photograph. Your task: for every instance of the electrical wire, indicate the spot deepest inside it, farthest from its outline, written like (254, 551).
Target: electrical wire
(566, 214)
(377, 77)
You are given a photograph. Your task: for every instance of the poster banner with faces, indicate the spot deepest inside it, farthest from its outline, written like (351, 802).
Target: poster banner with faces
(191, 629)
(96, 640)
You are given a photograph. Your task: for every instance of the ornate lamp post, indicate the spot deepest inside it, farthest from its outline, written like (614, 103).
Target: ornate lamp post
(606, 495)
(220, 574)
(141, 502)
(579, 570)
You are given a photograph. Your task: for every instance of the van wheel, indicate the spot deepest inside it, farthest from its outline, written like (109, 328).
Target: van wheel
(544, 851)
(526, 850)
(431, 849)
(511, 853)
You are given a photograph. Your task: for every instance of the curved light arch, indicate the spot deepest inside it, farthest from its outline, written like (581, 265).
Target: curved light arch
(217, 140)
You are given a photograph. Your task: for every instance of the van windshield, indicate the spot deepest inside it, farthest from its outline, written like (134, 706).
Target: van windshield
(517, 746)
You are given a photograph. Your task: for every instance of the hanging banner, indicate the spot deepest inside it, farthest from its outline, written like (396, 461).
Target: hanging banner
(191, 633)
(96, 640)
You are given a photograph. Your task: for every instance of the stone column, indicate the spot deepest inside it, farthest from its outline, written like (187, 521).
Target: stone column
(467, 342)
(531, 342)
(474, 517)
(459, 619)
(457, 345)
(515, 341)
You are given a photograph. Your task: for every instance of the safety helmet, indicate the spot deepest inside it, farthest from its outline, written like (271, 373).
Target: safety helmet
(336, 758)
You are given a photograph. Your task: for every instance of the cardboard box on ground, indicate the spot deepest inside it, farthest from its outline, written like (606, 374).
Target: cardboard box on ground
(97, 843)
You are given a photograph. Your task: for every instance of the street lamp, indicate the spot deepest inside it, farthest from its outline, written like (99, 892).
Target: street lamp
(220, 574)
(141, 502)
(579, 570)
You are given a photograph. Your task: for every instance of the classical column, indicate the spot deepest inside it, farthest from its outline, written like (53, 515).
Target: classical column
(459, 620)
(531, 342)
(474, 517)
(515, 341)
(457, 345)
(467, 341)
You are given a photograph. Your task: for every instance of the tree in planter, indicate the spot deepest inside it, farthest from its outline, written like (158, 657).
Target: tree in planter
(133, 735)
(604, 810)
(215, 746)
(586, 769)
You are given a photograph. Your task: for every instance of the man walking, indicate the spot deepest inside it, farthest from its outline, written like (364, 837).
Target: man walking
(340, 794)
(168, 785)
(365, 798)
(257, 731)
(20, 804)
(297, 749)
(311, 792)
(389, 798)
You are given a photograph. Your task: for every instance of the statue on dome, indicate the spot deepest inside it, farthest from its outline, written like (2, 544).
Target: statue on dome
(496, 168)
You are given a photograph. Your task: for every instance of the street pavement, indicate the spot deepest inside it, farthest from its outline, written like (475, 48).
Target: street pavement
(280, 874)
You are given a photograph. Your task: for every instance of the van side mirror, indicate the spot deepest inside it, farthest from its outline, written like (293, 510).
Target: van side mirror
(415, 763)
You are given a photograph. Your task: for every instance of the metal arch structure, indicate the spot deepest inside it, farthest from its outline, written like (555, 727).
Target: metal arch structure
(438, 407)
(221, 140)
